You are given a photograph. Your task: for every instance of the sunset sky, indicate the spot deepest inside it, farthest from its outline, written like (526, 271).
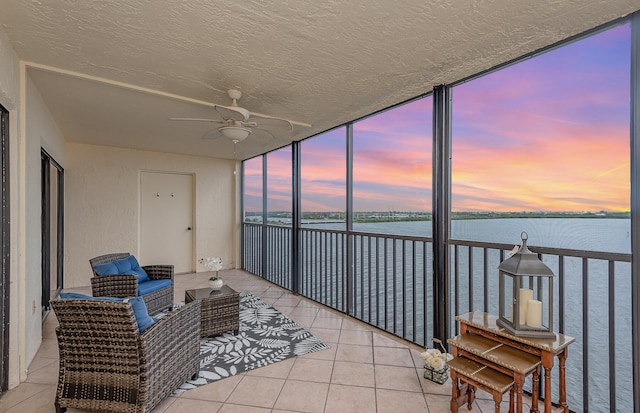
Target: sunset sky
(550, 133)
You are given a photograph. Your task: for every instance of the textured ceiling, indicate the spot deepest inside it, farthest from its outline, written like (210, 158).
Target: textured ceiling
(113, 72)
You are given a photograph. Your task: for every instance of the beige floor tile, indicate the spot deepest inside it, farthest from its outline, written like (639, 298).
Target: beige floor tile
(181, 405)
(326, 354)
(44, 371)
(303, 396)
(237, 408)
(327, 322)
(380, 340)
(352, 399)
(288, 301)
(48, 349)
(397, 378)
(303, 321)
(489, 406)
(29, 397)
(327, 335)
(354, 353)
(393, 356)
(256, 391)
(354, 325)
(439, 403)
(217, 391)
(355, 374)
(311, 370)
(279, 370)
(394, 401)
(304, 311)
(359, 337)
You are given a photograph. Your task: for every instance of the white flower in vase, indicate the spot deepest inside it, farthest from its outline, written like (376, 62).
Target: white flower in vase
(213, 264)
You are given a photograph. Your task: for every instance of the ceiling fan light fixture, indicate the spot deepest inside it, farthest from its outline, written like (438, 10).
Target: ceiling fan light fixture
(235, 133)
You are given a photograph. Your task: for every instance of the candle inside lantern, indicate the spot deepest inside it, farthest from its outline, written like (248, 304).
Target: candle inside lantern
(534, 313)
(524, 297)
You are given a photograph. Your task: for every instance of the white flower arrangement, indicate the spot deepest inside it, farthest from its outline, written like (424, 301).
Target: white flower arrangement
(436, 359)
(212, 263)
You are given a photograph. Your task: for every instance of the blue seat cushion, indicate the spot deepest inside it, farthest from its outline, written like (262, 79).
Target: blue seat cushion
(127, 265)
(139, 307)
(152, 285)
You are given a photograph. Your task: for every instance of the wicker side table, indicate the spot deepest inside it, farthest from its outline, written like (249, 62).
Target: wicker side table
(220, 309)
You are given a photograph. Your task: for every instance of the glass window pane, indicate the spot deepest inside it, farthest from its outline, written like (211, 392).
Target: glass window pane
(392, 170)
(279, 188)
(253, 190)
(547, 139)
(323, 183)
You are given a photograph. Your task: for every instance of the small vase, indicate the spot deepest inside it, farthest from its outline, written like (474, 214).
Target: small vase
(217, 284)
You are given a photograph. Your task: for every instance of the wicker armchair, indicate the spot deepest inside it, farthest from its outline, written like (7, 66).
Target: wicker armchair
(106, 364)
(126, 285)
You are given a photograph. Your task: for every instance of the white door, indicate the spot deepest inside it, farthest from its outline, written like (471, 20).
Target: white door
(167, 220)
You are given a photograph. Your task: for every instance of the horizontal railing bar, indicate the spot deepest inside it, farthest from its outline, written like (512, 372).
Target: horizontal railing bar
(598, 255)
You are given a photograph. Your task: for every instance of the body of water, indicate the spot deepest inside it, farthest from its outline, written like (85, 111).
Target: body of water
(591, 234)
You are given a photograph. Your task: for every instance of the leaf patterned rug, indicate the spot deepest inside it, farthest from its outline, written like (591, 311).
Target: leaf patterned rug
(266, 336)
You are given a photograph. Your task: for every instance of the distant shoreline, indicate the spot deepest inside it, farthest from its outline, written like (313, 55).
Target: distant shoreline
(398, 216)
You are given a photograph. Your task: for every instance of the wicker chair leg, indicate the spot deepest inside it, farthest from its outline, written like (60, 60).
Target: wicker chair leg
(60, 409)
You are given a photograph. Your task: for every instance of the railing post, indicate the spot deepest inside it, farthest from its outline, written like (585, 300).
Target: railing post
(635, 205)
(349, 219)
(295, 218)
(441, 164)
(265, 215)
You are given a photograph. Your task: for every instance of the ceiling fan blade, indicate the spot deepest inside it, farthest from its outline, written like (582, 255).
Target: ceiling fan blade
(212, 134)
(232, 112)
(272, 124)
(261, 136)
(199, 120)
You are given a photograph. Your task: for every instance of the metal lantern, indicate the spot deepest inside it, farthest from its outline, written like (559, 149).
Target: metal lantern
(526, 294)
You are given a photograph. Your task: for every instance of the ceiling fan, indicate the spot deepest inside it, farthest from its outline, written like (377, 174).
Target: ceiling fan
(237, 124)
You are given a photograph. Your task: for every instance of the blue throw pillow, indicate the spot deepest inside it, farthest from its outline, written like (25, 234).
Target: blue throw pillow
(143, 318)
(127, 265)
(138, 270)
(124, 265)
(106, 269)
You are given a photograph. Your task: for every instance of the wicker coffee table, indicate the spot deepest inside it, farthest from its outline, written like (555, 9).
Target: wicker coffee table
(220, 309)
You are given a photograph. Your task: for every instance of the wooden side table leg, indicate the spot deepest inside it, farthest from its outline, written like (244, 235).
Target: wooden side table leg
(562, 358)
(453, 404)
(535, 393)
(547, 389)
(511, 401)
(547, 363)
(472, 396)
(519, 380)
(497, 399)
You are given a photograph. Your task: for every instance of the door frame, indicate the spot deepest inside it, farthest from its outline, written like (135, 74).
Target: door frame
(46, 163)
(4, 259)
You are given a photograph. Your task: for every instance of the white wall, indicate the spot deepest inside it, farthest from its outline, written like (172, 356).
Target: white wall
(102, 204)
(40, 132)
(19, 95)
(10, 99)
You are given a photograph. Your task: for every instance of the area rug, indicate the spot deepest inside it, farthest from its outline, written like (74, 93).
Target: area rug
(266, 337)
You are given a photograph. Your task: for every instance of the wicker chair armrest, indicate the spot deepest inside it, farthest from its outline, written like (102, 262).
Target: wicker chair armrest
(159, 272)
(171, 348)
(115, 285)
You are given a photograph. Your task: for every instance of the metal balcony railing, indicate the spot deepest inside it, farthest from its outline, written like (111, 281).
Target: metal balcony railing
(390, 284)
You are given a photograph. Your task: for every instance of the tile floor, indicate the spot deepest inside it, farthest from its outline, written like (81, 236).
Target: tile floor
(365, 370)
